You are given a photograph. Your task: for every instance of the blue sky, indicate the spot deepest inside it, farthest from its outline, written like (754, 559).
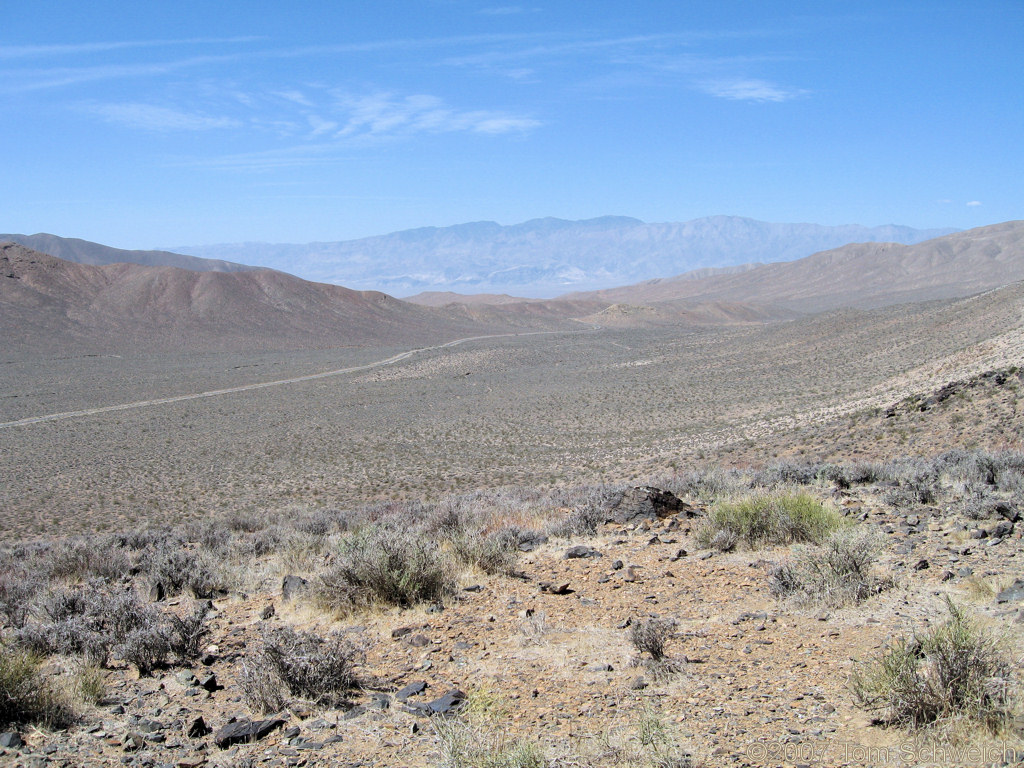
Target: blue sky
(183, 123)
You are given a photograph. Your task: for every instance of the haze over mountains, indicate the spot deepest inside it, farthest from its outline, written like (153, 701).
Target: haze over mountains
(547, 257)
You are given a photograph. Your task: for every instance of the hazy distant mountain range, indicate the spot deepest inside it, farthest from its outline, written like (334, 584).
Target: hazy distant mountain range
(548, 257)
(50, 304)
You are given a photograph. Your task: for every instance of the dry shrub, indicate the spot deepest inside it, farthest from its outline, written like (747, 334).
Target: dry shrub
(384, 565)
(839, 572)
(768, 519)
(955, 671)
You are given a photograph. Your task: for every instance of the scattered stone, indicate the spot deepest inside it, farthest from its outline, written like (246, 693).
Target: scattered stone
(706, 555)
(531, 540)
(291, 733)
(268, 612)
(245, 731)
(412, 689)
(921, 565)
(1013, 593)
(638, 683)
(291, 586)
(192, 761)
(556, 588)
(156, 592)
(581, 551)
(198, 728)
(679, 555)
(12, 740)
(630, 574)
(617, 565)
(418, 641)
(209, 683)
(473, 588)
(133, 741)
(451, 702)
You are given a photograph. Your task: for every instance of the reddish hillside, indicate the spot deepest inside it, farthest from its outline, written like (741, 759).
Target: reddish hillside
(50, 304)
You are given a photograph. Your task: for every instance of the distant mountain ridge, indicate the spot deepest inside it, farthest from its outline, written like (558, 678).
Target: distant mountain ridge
(86, 252)
(547, 257)
(859, 275)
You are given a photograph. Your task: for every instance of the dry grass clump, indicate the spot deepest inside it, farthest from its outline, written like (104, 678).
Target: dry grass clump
(767, 519)
(841, 571)
(651, 636)
(477, 737)
(386, 566)
(303, 664)
(26, 696)
(957, 671)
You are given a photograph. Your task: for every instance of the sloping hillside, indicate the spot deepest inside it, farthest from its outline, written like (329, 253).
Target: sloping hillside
(86, 252)
(51, 304)
(862, 275)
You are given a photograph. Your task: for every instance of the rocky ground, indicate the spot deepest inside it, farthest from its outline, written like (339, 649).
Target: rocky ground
(545, 655)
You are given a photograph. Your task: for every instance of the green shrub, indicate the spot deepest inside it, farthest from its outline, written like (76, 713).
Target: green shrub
(768, 519)
(957, 670)
(839, 572)
(384, 565)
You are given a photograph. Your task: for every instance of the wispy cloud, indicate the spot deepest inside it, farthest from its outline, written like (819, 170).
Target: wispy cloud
(748, 89)
(153, 118)
(77, 49)
(502, 10)
(384, 114)
(974, 203)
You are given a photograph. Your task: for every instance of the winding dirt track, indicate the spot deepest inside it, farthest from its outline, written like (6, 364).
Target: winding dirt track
(261, 385)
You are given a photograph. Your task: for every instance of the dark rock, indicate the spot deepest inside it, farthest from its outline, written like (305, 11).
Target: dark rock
(654, 540)
(581, 551)
(601, 668)
(156, 592)
(198, 728)
(246, 731)
(618, 565)
(921, 565)
(1013, 593)
(268, 612)
(964, 572)
(412, 689)
(418, 641)
(647, 503)
(291, 586)
(11, 739)
(531, 540)
(451, 702)
(133, 741)
(209, 683)
(630, 574)
(291, 733)
(679, 555)
(435, 608)
(1001, 529)
(473, 588)
(979, 533)
(357, 711)
(556, 588)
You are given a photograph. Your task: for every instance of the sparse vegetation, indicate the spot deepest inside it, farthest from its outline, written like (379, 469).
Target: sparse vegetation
(767, 519)
(839, 572)
(26, 696)
(956, 671)
(385, 565)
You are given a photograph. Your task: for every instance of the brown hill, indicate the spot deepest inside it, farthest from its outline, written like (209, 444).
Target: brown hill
(51, 304)
(863, 275)
(86, 252)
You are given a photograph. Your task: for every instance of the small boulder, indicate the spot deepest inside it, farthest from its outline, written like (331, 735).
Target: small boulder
(245, 731)
(291, 585)
(581, 551)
